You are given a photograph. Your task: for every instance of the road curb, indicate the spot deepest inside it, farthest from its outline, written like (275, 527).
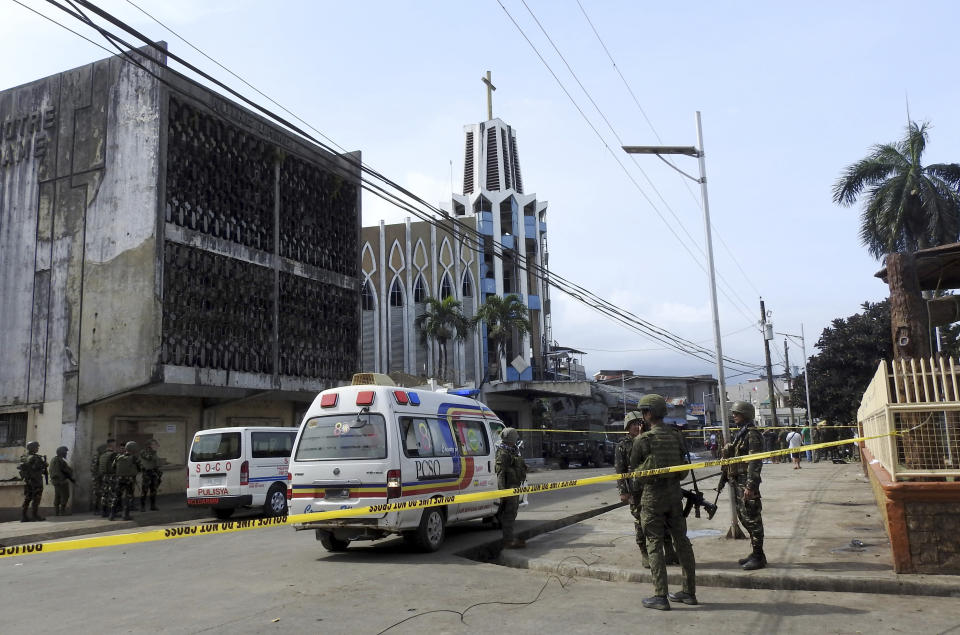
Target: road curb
(770, 580)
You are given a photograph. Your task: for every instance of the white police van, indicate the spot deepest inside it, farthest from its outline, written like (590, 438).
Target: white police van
(240, 467)
(372, 443)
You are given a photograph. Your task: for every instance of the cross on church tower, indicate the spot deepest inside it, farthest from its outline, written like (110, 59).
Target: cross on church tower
(490, 89)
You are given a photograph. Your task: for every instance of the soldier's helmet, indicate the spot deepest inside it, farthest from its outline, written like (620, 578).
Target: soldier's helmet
(131, 446)
(632, 417)
(33, 446)
(655, 404)
(743, 408)
(509, 435)
(62, 451)
(153, 443)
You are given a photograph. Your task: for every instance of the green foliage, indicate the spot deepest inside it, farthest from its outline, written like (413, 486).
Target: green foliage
(850, 350)
(906, 205)
(505, 317)
(442, 321)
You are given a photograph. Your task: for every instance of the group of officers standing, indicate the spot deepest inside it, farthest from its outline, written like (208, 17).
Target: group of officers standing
(656, 502)
(114, 477)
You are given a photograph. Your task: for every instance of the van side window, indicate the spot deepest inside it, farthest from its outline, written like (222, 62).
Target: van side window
(473, 438)
(425, 437)
(271, 445)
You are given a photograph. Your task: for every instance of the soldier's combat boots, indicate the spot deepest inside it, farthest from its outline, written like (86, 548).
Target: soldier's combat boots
(153, 503)
(36, 513)
(657, 602)
(742, 561)
(23, 515)
(684, 597)
(757, 560)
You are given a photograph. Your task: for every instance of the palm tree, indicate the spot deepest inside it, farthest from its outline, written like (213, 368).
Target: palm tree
(505, 317)
(907, 206)
(441, 321)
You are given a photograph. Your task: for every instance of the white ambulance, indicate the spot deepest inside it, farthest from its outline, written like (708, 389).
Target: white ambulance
(372, 443)
(240, 467)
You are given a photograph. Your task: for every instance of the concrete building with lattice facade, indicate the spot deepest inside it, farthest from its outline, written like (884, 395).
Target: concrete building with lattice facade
(169, 261)
(494, 242)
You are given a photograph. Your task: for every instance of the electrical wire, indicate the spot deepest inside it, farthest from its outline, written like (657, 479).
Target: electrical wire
(641, 326)
(657, 135)
(702, 254)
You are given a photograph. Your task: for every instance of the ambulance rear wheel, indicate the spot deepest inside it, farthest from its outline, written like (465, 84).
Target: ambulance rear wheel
(432, 530)
(223, 514)
(331, 543)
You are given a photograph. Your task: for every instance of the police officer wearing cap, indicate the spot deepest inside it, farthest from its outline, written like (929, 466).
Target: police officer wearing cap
(745, 477)
(662, 503)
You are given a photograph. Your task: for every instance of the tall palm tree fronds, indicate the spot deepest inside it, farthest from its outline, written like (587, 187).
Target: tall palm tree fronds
(907, 206)
(441, 321)
(504, 317)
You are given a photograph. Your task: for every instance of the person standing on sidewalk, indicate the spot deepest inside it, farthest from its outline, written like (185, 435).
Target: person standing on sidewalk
(60, 474)
(661, 506)
(107, 476)
(794, 439)
(511, 471)
(628, 492)
(745, 477)
(96, 479)
(125, 467)
(32, 469)
(807, 440)
(150, 481)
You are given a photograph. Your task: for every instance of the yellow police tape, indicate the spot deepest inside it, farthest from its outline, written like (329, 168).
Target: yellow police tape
(696, 431)
(170, 533)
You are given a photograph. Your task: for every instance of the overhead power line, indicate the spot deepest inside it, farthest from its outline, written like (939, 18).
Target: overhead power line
(377, 187)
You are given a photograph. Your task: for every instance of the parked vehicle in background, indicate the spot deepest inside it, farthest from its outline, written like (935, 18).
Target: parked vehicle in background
(230, 468)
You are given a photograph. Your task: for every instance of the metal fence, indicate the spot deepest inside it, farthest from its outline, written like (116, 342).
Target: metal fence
(920, 401)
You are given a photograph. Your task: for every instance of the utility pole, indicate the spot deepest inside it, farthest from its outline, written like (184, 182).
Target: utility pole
(786, 366)
(806, 375)
(767, 336)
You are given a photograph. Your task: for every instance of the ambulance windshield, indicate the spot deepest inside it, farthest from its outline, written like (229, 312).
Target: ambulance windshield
(338, 437)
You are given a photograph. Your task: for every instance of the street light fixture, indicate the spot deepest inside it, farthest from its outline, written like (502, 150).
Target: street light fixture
(697, 152)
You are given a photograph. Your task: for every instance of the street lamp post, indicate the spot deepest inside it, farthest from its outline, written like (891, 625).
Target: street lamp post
(735, 531)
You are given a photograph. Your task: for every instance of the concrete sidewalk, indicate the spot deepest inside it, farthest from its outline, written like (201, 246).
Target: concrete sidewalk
(172, 508)
(823, 533)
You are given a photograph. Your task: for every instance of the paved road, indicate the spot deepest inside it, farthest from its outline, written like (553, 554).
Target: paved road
(275, 580)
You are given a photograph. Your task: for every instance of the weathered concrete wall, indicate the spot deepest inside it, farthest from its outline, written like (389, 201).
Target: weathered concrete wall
(28, 140)
(119, 336)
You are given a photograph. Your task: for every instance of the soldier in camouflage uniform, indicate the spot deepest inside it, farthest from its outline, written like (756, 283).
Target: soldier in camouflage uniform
(60, 473)
(32, 469)
(511, 471)
(746, 479)
(96, 479)
(107, 477)
(661, 503)
(126, 467)
(150, 480)
(630, 490)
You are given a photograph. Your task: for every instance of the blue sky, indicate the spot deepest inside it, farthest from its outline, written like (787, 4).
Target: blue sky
(789, 96)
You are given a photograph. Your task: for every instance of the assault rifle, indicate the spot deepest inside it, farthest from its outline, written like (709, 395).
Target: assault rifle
(694, 500)
(46, 471)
